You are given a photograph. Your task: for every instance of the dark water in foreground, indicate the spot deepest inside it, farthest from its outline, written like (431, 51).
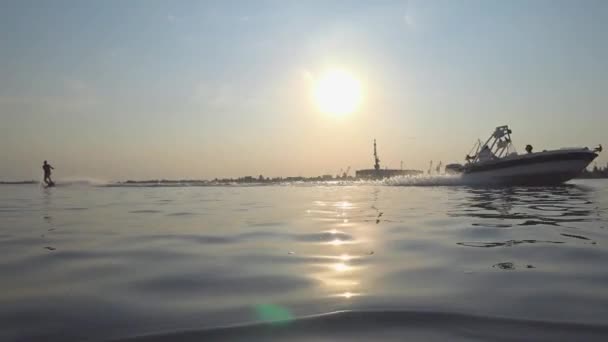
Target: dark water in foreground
(389, 262)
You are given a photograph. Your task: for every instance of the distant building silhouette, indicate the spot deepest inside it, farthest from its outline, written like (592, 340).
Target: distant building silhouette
(378, 173)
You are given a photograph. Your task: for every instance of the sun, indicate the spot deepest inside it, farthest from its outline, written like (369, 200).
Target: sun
(338, 93)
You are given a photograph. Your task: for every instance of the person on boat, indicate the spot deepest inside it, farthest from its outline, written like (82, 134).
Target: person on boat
(486, 154)
(47, 173)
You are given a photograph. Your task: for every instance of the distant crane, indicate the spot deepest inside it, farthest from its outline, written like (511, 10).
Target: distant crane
(345, 174)
(377, 160)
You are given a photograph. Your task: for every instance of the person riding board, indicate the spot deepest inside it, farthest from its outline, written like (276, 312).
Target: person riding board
(47, 173)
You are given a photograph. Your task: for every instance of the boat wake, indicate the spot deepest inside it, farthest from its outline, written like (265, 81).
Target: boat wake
(80, 181)
(426, 180)
(411, 181)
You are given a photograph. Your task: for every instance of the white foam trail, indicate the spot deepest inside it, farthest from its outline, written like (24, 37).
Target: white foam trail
(82, 181)
(422, 180)
(433, 180)
(426, 180)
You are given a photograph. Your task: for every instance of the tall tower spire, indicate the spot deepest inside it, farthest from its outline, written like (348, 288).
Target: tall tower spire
(377, 160)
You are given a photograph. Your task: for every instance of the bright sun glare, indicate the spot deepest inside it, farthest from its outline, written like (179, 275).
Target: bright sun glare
(338, 93)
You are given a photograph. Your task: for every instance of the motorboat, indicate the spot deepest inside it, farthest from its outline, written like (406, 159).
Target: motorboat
(497, 162)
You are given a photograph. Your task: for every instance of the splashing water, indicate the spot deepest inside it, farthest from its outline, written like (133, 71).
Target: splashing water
(80, 181)
(426, 180)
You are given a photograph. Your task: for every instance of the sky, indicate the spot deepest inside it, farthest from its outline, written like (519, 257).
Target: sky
(117, 90)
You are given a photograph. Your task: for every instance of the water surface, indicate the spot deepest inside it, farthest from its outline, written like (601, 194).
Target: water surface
(440, 262)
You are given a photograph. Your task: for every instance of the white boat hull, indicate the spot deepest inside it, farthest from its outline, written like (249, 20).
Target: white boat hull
(553, 167)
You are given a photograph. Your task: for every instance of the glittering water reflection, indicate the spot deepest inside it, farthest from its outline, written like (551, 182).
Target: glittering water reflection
(348, 295)
(346, 218)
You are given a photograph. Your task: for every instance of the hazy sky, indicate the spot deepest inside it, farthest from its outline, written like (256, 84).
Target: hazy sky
(199, 89)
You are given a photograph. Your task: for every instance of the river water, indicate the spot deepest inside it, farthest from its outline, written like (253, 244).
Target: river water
(304, 262)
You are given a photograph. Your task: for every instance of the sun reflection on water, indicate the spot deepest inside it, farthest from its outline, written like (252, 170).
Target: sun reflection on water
(348, 294)
(336, 242)
(344, 205)
(339, 275)
(341, 267)
(345, 257)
